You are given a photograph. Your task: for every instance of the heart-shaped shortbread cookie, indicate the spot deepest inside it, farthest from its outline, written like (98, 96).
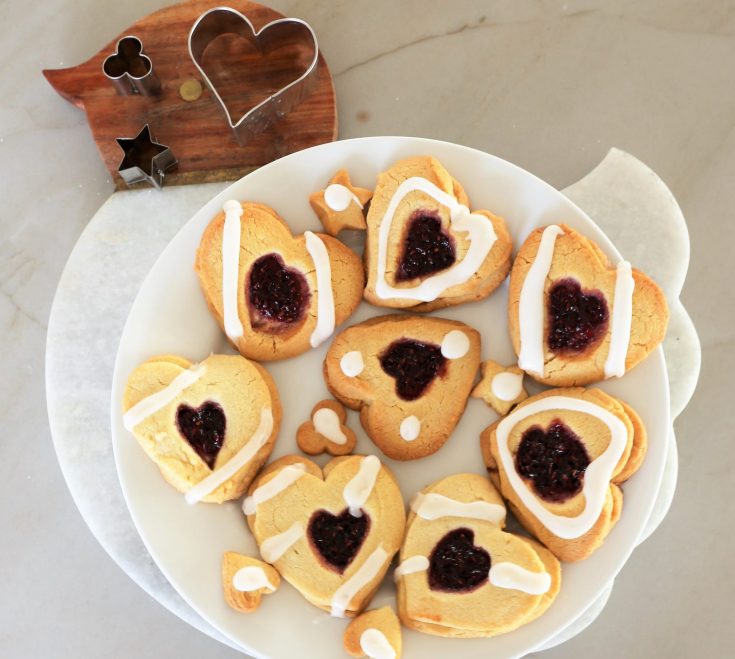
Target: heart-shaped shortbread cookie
(558, 459)
(576, 319)
(274, 294)
(425, 249)
(409, 376)
(460, 574)
(332, 533)
(209, 427)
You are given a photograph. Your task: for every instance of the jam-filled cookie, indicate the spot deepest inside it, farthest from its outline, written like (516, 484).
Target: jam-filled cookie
(460, 574)
(576, 319)
(245, 580)
(375, 634)
(341, 205)
(559, 458)
(331, 533)
(425, 250)
(409, 376)
(274, 294)
(209, 426)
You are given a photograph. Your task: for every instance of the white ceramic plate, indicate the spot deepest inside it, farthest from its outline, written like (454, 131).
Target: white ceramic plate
(170, 316)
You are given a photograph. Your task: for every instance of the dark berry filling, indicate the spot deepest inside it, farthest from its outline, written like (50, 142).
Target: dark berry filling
(554, 460)
(204, 428)
(338, 538)
(577, 318)
(426, 248)
(278, 295)
(456, 564)
(414, 365)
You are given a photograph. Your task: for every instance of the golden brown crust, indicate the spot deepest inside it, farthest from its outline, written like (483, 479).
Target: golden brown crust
(596, 438)
(578, 257)
(373, 392)
(486, 279)
(384, 620)
(485, 392)
(311, 442)
(265, 232)
(352, 217)
(245, 601)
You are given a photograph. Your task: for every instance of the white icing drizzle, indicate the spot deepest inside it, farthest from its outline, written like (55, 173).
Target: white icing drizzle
(480, 233)
(455, 344)
(413, 564)
(360, 486)
(231, 234)
(277, 545)
(155, 402)
(339, 197)
(352, 363)
(236, 462)
(515, 577)
(622, 318)
(250, 578)
(375, 645)
(432, 506)
(507, 386)
(283, 479)
(364, 575)
(326, 423)
(596, 477)
(410, 428)
(531, 304)
(325, 296)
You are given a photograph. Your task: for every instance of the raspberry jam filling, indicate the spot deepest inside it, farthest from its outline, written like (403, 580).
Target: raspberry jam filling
(414, 365)
(278, 295)
(554, 460)
(577, 318)
(204, 428)
(338, 538)
(427, 248)
(456, 565)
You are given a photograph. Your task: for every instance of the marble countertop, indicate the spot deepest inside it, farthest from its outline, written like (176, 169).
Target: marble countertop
(548, 85)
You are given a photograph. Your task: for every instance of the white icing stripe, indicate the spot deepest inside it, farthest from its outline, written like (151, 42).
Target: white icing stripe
(250, 578)
(375, 645)
(410, 565)
(236, 462)
(324, 294)
(352, 363)
(622, 318)
(455, 344)
(596, 477)
(358, 490)
(276, 546)
(507, 386)
(283, 479)
(231, 234)
(339, 197)
(327, 424)
(410, 428)
(531, 304)
(515, 577)
(432, 506)
(481, 236)
(155, 402)
(364, 575)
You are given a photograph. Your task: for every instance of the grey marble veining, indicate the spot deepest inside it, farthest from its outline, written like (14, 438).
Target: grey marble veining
(548, 85)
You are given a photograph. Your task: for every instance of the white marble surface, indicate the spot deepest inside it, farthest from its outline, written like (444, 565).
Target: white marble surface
(548, 85)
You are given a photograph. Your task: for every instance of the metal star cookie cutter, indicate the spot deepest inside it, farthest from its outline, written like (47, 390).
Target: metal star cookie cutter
(278, 33)
(144, 159)
(131, 71)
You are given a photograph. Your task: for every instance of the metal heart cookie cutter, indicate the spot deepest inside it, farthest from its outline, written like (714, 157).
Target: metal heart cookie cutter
(276, 34)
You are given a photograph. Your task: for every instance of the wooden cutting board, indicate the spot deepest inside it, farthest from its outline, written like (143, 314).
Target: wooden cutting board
(197, 131)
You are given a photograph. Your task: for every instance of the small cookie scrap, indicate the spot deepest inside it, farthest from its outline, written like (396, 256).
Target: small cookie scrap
(341, 205)
(375, 634)
(326, 431)
(500, 387)
(245, 580)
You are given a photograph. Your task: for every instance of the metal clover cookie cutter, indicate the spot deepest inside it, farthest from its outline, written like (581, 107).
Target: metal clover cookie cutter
(130, 70)
(276, 34)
